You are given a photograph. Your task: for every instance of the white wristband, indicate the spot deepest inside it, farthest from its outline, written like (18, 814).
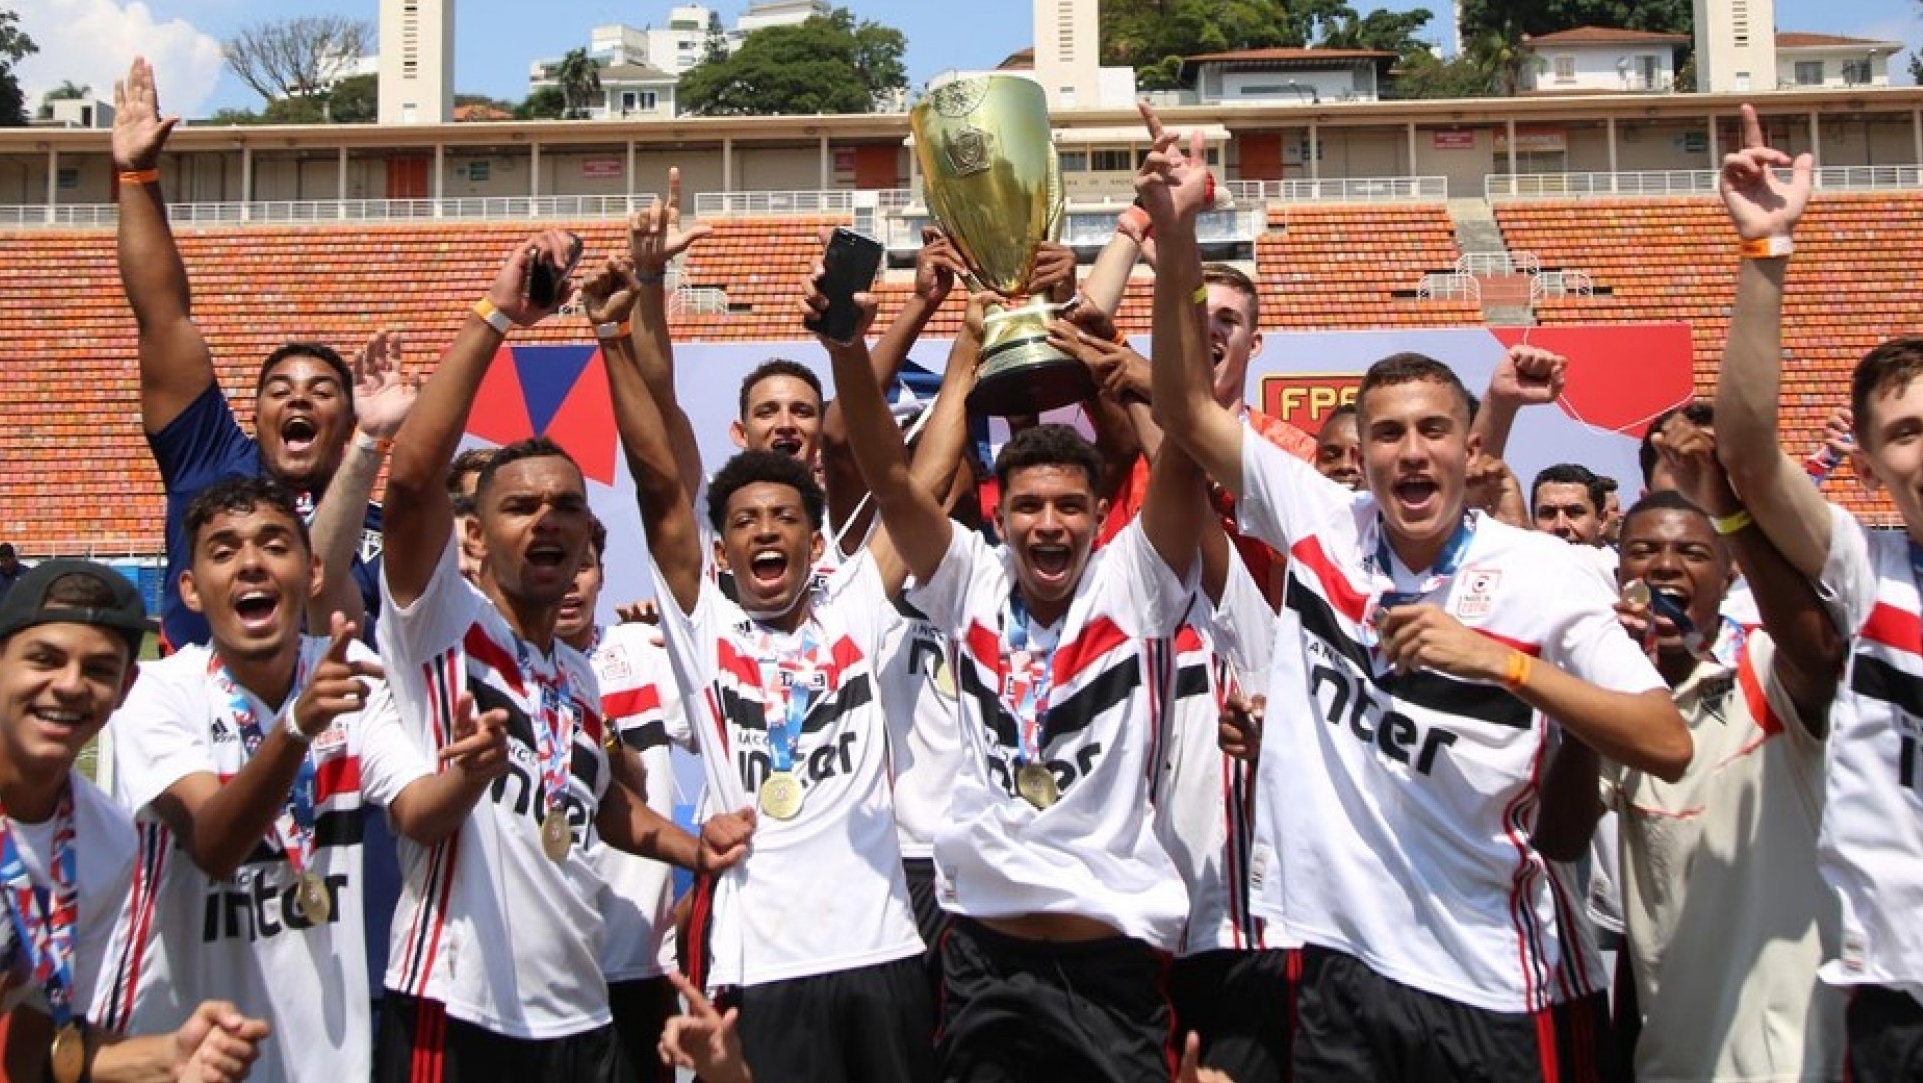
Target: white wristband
(619, 329)
(294, 732)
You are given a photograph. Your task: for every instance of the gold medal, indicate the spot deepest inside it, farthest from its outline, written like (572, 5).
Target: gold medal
(556, 838)
(312, 899)
(945, 679)
(67, 1060)
(781, 795)
(1036, 784)
(1636, 593)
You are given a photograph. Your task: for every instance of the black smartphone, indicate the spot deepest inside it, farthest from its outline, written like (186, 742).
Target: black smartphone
(848, 267)
(545, 281)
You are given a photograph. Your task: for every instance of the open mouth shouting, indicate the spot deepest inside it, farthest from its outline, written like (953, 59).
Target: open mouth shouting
(298, 433)
(786, 445)
(1419, 497)
(548, 556)
(1050, 563)
(767, 568)
(257, 610)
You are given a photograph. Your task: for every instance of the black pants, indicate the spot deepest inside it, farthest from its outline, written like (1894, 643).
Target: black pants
(1355, 1024)
(641, 1010)
(872, 1024)
(1025, 1011)
(931, 921)
(1885, 1031)
(1242, 1005)
(416, 1042)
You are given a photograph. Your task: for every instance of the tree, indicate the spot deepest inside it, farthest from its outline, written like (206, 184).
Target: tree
(296, 58)
(1513, 18)
(1427, 76)
(67, 91)
(714, 48)
(1383, 31)
(15, 46)
(828, 64)
(578, 78)
(544, 103)
(355, 100)
(1155, 36)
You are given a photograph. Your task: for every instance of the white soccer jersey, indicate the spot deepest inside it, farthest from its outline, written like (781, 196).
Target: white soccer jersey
(1871, 846)
(185, 937)
(924, 737)
(1094, 852)
(104, 848)
(638, 698)
(1395, 811)
(488, 925)
(821, 892)
(1205, 799)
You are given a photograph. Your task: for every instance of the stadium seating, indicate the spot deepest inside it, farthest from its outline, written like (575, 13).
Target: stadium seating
(1351, 267)
(1851, 285)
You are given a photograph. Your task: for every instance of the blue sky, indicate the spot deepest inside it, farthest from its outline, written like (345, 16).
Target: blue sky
(88, 41)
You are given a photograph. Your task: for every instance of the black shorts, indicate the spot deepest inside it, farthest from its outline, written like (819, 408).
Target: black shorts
(872, 1024)
(1242, 1005)
(930, 919)
(641, 1010)
(1028, 1011)
(416, 1042)
(1885, 1031)
(1355, 1024)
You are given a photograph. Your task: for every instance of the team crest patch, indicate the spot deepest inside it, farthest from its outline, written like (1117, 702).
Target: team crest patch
(1478, 592)
(370, 545)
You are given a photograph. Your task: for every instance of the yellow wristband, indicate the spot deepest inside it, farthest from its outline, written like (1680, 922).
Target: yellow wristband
(1517, 673)
(140, 176)
(492, 315)
(1768, 248)
(1202, 294)
(1733, 523)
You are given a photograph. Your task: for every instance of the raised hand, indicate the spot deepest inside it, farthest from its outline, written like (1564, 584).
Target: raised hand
(1118, 370)
(217, 1044)
(1528, 376)
(509, 291)
(724, 840)
(937, 266)
(645, 611)
(1174, 185)
(1054, 272)
(382, 394)
(703, 1039)
(479, 748)
(1689, 450)
(335, 688)
(655, 236)
(1760, 204)
(140, 131)
(608, 295)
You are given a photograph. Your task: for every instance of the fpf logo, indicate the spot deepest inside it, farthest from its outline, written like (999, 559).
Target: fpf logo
(1305, 399)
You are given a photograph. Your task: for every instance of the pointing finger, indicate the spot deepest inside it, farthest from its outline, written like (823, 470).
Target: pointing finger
(1752, 127)
(343, 632)
(1149, 118)
(674, 190)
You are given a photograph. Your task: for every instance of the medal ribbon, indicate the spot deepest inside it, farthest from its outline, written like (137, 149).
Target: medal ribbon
(553, 730)
(1027, 679)
(792, 678)
(294, 827)
(46, 932)
(1448, 562)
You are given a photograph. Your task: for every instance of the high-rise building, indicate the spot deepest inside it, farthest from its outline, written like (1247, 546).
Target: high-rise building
(417, 61)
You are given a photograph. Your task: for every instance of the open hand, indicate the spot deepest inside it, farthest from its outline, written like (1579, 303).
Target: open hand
(140, 131)
(383, 394)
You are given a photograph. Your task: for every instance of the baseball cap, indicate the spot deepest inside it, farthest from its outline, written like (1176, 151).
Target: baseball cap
(27, 604)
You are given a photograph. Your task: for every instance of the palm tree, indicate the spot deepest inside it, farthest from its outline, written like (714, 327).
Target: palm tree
(579, 78)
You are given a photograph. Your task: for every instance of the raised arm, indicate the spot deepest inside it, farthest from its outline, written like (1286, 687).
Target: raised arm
(1185, 407)
(418, 517)
(661, 487)
(382, 398)
(1765, 211)
(1526, 376)
(1107, 280)
(655, 240)
(175, 366)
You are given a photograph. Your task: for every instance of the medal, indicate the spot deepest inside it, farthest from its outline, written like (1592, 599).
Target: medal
(556, 839)
(67, 1059)
(781, 795)
(1636, 593)
(1037, 785)
(312, 899)
(944, 679)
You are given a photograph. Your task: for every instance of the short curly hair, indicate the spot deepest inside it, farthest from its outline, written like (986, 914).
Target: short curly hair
(1048, 445)
(757, 465)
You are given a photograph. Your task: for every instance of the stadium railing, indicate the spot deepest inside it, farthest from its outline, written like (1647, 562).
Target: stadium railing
(1674, 182)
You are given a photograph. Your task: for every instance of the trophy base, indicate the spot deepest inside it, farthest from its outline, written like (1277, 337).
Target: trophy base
(1028, 376)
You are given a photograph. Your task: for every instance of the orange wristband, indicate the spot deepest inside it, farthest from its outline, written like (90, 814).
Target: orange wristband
(140, 176)
(1517, 673)
(1768, 248)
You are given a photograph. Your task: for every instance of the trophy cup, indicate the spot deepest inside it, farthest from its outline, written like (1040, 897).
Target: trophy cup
(994, 186)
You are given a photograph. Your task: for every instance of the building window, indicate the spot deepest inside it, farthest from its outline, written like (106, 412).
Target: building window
(1112, 161)
(1074, 161)
(1565, 69)
(1856, 72)
(1809, 73)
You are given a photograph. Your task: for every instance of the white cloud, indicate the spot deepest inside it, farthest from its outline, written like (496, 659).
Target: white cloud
(91, 42)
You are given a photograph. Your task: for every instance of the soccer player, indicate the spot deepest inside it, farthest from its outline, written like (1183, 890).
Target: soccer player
(1727, 917)
(1871, 844)
(640, 709)
(246, 762)
(1062, 895)
(495, 971)
(69, 633)
(812, 937)
(1398, 769)
(304, 400)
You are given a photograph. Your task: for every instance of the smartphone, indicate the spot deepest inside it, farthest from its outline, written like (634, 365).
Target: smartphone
(545, 281)
(848, 267)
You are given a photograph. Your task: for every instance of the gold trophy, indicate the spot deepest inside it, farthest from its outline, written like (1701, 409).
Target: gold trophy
(994, 186)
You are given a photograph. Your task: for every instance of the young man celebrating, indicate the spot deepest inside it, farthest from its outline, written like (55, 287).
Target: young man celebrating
(247, 762)
(788, 723)
(1063, 896)
(1422, 648)
(69, 633)
(304, 400)
(1871, 845)
(495, 971)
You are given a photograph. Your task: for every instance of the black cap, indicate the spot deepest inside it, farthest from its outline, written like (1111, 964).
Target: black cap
(26, 605)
